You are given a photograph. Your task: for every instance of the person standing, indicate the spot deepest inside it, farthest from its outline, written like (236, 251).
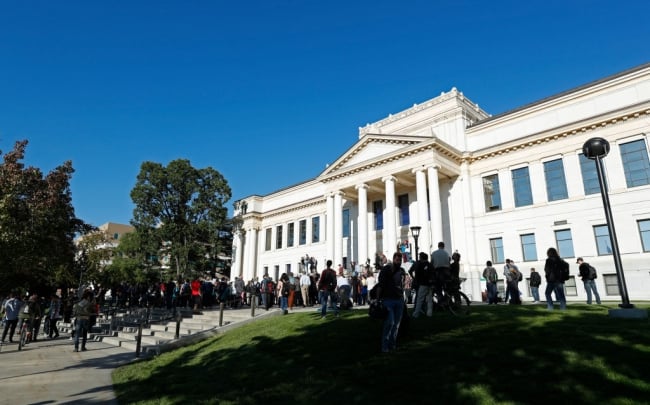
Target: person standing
(588, 275)
(554, 280)
(283, 292)
(440, 260)
(12, 310)
(327, 289)
(535, 281)
(30, 311)
(513, 277)
(305, 282)
(491, 277)
(54, 315)
(422, 273)
(506, 271)
(390, 292)
(83, 310)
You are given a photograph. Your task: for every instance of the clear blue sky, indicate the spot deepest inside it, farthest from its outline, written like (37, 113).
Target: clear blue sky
(268, 92)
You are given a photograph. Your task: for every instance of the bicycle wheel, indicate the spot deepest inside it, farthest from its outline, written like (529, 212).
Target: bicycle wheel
(23, 338)
(459, 304)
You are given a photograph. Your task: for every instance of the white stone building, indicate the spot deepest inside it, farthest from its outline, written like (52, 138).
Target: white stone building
(491, 187)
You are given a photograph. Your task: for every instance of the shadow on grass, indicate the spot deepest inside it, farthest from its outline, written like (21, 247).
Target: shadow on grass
(521, 354)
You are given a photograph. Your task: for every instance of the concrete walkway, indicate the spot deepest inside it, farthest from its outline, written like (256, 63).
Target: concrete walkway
(50, 372)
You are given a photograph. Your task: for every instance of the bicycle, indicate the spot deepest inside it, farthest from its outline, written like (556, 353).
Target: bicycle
(25, 335)
(452, 299)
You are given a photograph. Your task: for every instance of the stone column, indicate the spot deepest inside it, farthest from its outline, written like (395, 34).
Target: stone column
(250, 269)
(435, 208)
(338, 228)
(362, 220)
(424, 241)
(329, 229)
(390, 218)
(237, 270)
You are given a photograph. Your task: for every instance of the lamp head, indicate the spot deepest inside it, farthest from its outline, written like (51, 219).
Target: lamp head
(415, 230)
(595, 147)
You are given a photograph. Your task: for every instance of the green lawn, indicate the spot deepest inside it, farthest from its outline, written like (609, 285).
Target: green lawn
(498, 354)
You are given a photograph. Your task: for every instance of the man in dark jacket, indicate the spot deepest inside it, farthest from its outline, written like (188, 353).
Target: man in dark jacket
(422, 274)
(588, 275)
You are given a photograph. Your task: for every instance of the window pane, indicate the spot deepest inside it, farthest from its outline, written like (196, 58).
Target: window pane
(491, 193)
(635, 163)
(570, 289)
(346, 223)
(315, 229)
(267, 242)
(603, 242)
(528, 247)
(496, 250)
(555, 180)
(611, 284)
(564, 243)
(378, 210)
(589, 175)
(278, 237)
(302, 232)
(644, 231)
(290, 231)
(521, 187)
(403, 204)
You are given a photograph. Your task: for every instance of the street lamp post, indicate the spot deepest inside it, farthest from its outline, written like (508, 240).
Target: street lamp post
(596, 149)
(415, 231)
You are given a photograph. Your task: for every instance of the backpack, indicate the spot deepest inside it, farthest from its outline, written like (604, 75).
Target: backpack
(564, 271)
(185, 289)
(521, 277)
(592, 273)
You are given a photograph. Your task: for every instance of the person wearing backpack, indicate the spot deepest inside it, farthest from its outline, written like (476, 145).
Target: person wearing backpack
(491, 277)
(327, 289)
(535, 281)
(588, 274)
(555, 269)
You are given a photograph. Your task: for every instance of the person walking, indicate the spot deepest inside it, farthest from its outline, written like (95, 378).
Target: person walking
(506, 271)
(553, 269)
(390, 292)
(54, 315)
(513, 278)
(11, 310)
(422, 273)
(83, 310)
(327, 289)
(491, 278)
(588, 275)
(30, 312)
(305, 282)
(535, 281)
(283, 292)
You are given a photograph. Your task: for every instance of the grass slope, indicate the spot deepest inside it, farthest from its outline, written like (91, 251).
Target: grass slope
(502, 354)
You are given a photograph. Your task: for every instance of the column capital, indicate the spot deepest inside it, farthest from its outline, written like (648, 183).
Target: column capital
(434, 166)
(361, 186)
(418, 169)
(389, 178)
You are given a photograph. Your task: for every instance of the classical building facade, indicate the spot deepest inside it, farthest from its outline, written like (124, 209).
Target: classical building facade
(490, 187)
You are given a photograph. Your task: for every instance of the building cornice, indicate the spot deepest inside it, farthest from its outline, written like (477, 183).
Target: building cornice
(555, 134)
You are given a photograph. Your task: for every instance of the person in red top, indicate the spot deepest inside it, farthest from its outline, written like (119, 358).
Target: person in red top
(196, 293)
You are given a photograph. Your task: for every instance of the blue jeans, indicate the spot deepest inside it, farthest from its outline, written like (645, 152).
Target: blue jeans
(590, 285)
(492, 293)
(284, 303)
(558, 289)
(395, 308)
(81, 331)
(322, 297)
(535, 292)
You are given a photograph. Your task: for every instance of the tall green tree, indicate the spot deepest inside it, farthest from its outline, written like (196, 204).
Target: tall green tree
(183, 206)
(37, 224)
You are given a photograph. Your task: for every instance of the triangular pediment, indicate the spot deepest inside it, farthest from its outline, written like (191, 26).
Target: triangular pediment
(370, 148)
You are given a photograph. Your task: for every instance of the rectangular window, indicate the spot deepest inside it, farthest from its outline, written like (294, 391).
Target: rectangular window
(611, 284)
(302, 232)
(315, 230)
(521, 187)
(378, 210)
(589, 175)
(496, 250)
(346, 223)
(278, 237)
(570, 289)
(644, 232)
(491, 193)
(403, 204)
(635, 163)
(290, 232)
(555, 180)
(564, 243)
(287, 268)
(528, 247)
(603, 242)
(267, 241)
